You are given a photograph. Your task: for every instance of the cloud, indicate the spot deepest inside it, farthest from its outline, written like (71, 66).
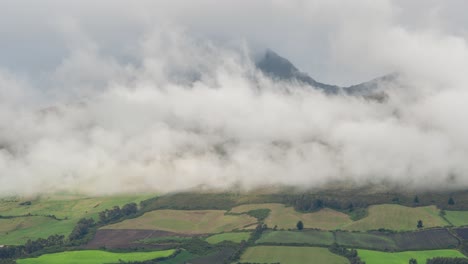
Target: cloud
(164, 98)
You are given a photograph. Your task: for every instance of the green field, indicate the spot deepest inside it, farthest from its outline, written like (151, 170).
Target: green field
(286, 217)
(402, 241)
(182, 257)
(457, 218)
(236, 237)
(290, 255)
(33, 222)
(312, 237)
(398, 218)
(187, 222)
(378, 257)
(366, 240)
(94, 257)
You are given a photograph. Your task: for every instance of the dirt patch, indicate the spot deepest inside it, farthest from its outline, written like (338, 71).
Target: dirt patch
(127, 238)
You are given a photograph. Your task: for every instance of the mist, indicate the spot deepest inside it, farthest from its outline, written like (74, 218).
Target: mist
(134, 100)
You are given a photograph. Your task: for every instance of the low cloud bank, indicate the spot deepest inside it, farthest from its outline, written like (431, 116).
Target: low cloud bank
(186, 112)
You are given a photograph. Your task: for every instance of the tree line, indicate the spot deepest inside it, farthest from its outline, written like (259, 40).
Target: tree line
(81, 233)
(350, 254)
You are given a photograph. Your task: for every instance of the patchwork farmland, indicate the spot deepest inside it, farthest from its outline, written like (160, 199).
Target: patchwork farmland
(286, 217)
(188, 222)
(248, 232)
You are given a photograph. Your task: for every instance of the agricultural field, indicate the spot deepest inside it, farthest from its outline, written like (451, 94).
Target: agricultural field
(378, 257)
(290, 255)
(457, 218)
(187, 222)
(425, 239)
(51, 215)
(18, 230)
(366, 240)
(236, 237)
(462, 232)
(311, 237)
(418, 240)
(286, 217)
(397, 218)
(182, 257)
(94, 257)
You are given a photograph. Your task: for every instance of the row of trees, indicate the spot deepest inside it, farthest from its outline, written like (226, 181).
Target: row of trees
(117, 213)
(450, 201)
(31, 246)
(80, 233)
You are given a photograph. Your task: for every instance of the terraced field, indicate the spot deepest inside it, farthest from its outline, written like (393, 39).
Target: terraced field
(398, 218)
(290, 255)
(286, 217)
(236, 237)
(378, 257)
(94, 257)
(187, 222)
(33, 219)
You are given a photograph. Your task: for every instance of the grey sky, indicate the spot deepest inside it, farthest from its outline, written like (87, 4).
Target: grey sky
(99, 97)
(38, 35)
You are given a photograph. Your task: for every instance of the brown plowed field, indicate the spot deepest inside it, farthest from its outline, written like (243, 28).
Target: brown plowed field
(127, 238)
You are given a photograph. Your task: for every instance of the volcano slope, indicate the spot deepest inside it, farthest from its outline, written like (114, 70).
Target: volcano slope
(231, 227)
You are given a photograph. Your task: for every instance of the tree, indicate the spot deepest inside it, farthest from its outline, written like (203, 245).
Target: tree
(130, 209)
(413, 261)
(420, 224)
(451, 201)
(81, 229)
(416, 199)
(300, 225)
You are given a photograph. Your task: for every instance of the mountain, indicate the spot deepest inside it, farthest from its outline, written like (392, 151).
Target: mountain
(277, 67)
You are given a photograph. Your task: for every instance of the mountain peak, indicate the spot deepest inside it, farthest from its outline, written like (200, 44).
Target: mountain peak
(277, 67)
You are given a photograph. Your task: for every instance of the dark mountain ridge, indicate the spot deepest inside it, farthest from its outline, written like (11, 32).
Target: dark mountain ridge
(279, 68)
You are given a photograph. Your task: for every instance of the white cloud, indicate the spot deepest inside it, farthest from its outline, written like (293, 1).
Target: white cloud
(114, 116)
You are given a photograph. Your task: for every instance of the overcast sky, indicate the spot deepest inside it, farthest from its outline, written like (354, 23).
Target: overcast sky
(327, 39)
(118, 96)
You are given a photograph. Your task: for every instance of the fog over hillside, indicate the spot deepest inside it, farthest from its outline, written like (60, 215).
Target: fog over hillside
(154, 96)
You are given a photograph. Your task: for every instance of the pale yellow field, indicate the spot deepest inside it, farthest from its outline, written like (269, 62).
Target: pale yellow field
(286, 217)
(397, 217)
(187, 221)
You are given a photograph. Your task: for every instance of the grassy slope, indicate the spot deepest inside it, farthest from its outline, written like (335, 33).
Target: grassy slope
(94, 256)
(286, 217)
(234, 237)
(397, 217)
(69, 209)
(378, 257)
(457, 218)
(291, 255)
(189, 222)
(365, 240)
